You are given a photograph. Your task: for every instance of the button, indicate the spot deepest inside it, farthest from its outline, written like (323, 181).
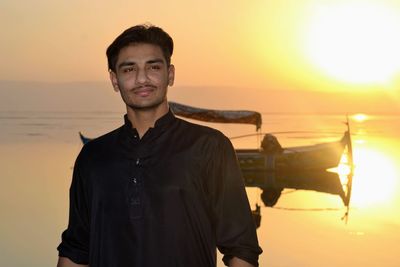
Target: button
(137, 161)
(134, 180)
(135, 201)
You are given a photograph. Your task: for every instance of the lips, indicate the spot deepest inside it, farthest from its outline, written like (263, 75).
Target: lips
(144, 91)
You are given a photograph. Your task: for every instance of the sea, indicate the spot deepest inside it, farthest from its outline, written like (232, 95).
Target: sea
(305, 228)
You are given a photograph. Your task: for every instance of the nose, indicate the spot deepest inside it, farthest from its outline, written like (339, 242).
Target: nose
(141, 76)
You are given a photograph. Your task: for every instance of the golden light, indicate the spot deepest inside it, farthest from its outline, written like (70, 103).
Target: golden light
(374, 178)
(360, 117)
(355, 41)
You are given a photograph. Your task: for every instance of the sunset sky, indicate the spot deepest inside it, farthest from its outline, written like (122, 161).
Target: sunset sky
(288, 59)
(312, 45)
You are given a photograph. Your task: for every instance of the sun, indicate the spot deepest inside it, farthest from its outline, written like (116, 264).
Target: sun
(360, 117)
(356, 42)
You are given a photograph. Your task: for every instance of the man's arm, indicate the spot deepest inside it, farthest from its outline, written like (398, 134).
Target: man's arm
(235, 227)
(74, 247)
(236, 262)
(65, 262)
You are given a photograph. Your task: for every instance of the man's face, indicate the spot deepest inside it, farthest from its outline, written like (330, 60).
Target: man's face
(142, 76)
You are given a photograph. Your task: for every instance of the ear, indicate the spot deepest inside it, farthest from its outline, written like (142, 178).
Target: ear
(171, 75)
(114, 81)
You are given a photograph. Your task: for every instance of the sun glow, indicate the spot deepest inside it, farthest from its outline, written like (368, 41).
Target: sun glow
(356, 42)
(374, 178)
(360, 117)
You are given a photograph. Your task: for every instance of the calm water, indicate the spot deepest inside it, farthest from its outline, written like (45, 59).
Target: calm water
(38, 150)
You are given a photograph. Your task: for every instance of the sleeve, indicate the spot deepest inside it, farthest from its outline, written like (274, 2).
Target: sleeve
(235, 228)
(75, 239)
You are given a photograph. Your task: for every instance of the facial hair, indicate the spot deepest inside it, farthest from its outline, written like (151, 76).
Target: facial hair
(133, 106)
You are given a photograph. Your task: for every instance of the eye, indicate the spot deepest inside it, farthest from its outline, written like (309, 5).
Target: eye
(127, 70)
(155, 67)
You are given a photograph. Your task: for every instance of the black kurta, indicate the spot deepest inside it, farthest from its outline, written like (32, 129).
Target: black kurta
(167, 199)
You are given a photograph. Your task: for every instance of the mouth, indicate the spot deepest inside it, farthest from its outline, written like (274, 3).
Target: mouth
(144, 91)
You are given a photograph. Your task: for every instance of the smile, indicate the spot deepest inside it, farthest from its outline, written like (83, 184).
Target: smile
(144, 91)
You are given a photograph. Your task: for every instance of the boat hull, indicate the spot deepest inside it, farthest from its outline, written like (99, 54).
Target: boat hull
(316, 157)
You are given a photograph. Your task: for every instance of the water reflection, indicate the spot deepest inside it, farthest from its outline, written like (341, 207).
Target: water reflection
(320, 181)
(360, 117)
(36, 173)
(374, 177)
(375, 174)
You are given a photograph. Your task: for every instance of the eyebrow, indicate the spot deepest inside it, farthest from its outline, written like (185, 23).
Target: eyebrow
(132, 63)
(157, 60)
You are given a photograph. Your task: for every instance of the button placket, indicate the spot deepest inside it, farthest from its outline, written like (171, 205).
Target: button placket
(135, 201)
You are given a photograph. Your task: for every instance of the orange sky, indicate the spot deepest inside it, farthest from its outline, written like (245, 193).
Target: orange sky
(242, 44)
(242, 48)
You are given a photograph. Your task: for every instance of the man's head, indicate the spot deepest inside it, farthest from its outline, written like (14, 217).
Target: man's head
(140, 34)
(140, 67)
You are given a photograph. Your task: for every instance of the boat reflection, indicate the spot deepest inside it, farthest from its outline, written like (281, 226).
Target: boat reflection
(273, 183)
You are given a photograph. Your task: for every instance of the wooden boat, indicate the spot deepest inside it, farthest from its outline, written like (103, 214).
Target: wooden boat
(83, 138)
(273, 168)
(254, 162)
(315, 157)
(271, 157)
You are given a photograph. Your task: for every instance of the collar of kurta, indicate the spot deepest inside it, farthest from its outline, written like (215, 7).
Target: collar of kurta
(160, 126)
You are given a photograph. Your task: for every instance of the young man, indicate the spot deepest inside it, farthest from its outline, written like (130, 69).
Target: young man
(158, 191)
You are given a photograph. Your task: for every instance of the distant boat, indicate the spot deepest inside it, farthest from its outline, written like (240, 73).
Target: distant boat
(255, 162)
(271, 156)
(84, 139)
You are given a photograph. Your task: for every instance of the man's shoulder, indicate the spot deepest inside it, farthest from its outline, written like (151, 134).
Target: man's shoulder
(103, 141)
(207, 137)
(201, 130)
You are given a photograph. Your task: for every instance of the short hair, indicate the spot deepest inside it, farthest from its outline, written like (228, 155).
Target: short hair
(144, 33)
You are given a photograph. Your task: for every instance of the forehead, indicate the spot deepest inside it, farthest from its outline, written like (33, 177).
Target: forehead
(140, 52)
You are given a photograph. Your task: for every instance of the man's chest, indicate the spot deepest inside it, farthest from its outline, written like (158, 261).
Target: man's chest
(144, 183)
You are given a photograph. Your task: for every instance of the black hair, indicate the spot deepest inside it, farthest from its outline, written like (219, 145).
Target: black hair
(147, 34)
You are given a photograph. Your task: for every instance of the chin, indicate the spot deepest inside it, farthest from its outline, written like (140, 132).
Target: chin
(147, 105)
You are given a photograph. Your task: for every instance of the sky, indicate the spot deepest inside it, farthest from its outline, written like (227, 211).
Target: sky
(304, 45)
(267, 55)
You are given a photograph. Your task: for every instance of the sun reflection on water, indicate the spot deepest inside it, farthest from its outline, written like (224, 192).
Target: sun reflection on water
(374, 178)
(360, 117)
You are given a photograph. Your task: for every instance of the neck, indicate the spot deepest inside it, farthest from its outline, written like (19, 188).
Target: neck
(144, 119)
